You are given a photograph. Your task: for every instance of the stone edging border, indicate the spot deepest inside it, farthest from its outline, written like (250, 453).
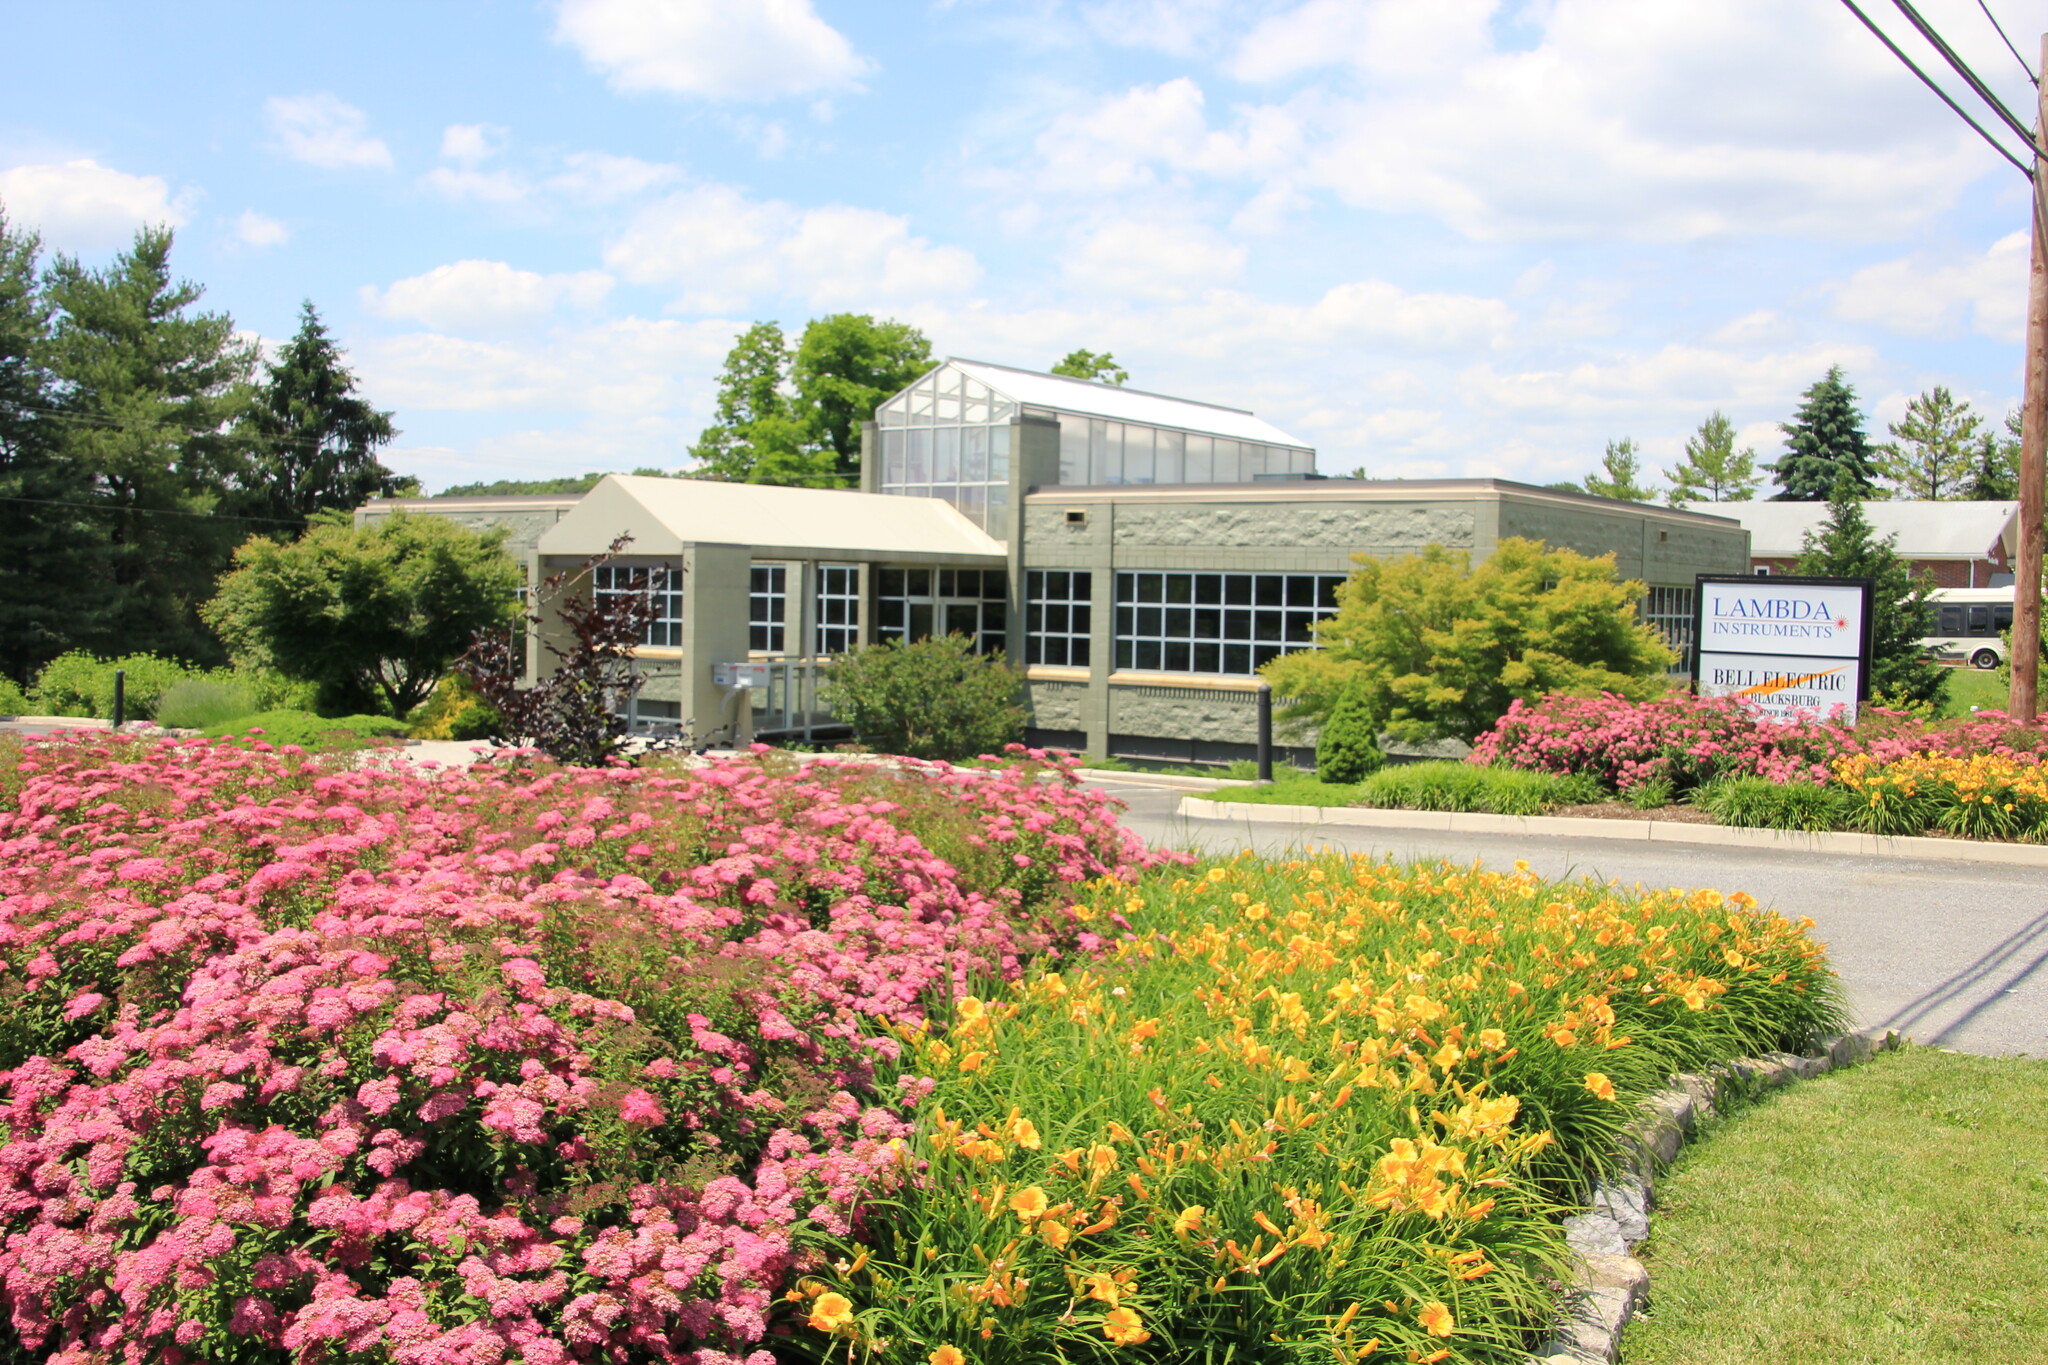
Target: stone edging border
(1609, 1283)
(1655, 831)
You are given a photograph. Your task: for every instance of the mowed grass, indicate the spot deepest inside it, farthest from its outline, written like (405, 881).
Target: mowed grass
(1895, 1212)
(1978, 687)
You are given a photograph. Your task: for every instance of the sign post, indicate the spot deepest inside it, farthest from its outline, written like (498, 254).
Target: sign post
(1796, 648)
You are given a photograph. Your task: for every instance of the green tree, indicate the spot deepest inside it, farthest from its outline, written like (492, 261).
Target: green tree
(845, 365)
(932, 698)
(1616, 477)
(154, 400)
(1844, 546)
(760, 436)
(317, 437)
(1994, 474)
(1713, 470)
(1437, 647)
(1825, 441)
(1096, 365)
(377, 615)
(52, 541)
(1934, 448)
(572, 484)
(1348, 745)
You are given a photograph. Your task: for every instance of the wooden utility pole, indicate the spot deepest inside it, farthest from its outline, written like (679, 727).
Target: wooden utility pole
(2026, 596)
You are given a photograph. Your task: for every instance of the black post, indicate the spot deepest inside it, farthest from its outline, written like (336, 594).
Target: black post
(120, 696)
(1265, 732)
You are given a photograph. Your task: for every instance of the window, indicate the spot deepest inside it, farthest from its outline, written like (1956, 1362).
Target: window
(916, 604)
(1668, 611)
(1217, 622)
(838, 607)
(1057, 614)
(768, 609)
(618, 580)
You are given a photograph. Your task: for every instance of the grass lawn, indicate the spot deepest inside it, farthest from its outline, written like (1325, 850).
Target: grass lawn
(1289, 789)
(1978, 687)
(1894, 1212)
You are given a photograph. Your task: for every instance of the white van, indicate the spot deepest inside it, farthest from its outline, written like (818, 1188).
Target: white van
(1968, 625)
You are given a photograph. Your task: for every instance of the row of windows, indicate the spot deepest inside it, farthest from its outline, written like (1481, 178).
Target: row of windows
(1094, 451)
(1971, 620)
(611, 582)
(1668, 611)
(914, 604)
(1217, 622)
(838, 609)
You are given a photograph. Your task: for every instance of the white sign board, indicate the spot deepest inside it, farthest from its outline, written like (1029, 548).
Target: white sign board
(1794, 648)
(739, 675)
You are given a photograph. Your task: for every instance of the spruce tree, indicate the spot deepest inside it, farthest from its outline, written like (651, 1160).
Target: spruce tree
(317, 436)
(1348, 746)
(1825, 441)
(1844, 546)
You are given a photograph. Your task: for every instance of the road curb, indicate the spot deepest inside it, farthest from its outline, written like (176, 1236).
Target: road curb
(1649, 831)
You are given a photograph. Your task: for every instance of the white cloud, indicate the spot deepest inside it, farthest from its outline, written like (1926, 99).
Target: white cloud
(722, 248)
(322, 130)
(627, 369)
(84, 206)
(601, 178)
(470, 143)
(1128, 140)
(719, 49)
(469, 182)
(1922, 298)
(260, 230)
(485, 296)
(1130, 258)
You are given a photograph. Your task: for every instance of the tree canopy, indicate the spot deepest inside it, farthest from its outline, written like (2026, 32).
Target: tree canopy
(378, 614)
(1437, 647)
(1713, 470)
(1100, 366)
(1616, 477)
(1935, 447)
(1824, 443)
(1845, 546)
(845, 365)
(317, 437)
(1994, 474)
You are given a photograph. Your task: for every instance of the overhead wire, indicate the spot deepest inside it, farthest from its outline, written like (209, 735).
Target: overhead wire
(1962, 68)
(116, 424)
(107, 505)
(1932, 84)
(2036, 80)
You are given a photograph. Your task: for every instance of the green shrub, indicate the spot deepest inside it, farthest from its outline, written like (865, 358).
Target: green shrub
(13, 701)
(78, 684)
(1651, 794)
(931, 699)
(455, 711)
(309, 731)
(1448, 786)
(1759, 803)
(1348, 749)
(196, 703)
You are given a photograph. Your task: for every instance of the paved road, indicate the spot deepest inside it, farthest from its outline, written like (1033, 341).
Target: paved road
(1948, 953)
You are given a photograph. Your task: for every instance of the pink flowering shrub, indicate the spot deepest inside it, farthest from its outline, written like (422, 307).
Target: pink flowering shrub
(551, 1065)
(1691, 740)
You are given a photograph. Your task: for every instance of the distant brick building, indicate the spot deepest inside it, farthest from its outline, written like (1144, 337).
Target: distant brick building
(1956, 544)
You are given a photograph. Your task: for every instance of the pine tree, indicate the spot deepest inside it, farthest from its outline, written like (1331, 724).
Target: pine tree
(1825, 440)
(1934, 447)
(1994, 474)
(1844, 546)
(1616, 477)
(1713, 470)
(1348, 746)
(155, 402)
(318, 437)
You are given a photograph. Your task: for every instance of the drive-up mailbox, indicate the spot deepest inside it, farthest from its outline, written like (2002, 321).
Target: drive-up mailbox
(740, 675)
(1792, 646)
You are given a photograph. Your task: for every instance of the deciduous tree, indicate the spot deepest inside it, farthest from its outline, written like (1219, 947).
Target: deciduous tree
(1097, 365)
(1713, 470)
(846, 364)
(760, 436)
(1825, 442)
(1934, 447)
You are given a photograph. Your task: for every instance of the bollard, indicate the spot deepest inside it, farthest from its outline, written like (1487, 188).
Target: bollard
(120, 696)
(1265, 732)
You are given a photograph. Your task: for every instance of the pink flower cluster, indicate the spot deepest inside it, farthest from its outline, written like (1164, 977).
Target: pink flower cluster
(1691, 740)
(510, 1064)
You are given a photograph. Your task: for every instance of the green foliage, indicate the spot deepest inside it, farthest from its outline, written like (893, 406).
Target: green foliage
(380, 612)
(455, 711)
(1760, 803)
(1935, 448)
(13, 701)
(929, 699)
(319, 438)
(1450, 786)
(79, 684)
(198, 703)
(1348, 749)
(1844, 546)
(1651, 794)
(1825, 444)
(1100, 366)
(1713, 470)
(309, 731)
(1616, 477)
(1439, 648)
(845, 365)
(760, 435)
(576, 484)
(1994, 474)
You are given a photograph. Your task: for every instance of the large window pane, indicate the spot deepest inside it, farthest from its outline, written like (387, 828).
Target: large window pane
(1169, 461)
(919, 466)
(974, 454)
(1073, 449)
(1137, 454)
(893, 458)
(1201, 459)
(1266, 615)
(1229, 469)
(946, 455)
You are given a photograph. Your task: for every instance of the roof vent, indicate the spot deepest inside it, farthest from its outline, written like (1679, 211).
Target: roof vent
(1077, 516)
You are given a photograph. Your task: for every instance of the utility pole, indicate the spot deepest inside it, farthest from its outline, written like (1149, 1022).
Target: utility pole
(2026, 596)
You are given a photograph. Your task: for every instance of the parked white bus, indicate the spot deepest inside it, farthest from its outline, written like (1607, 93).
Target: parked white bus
(1968, 625)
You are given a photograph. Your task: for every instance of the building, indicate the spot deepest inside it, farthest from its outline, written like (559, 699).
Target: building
(1141, 555)
(1957, 544)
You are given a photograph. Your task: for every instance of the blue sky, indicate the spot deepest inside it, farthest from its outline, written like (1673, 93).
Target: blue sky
(1455, 238)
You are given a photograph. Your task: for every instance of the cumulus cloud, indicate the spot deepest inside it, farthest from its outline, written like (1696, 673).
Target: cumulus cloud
(760, 49)
(470, 143)
(1129, 258)
(322, 130)
(485, 296)
(260, 230)
(627, 368)
(1922, 297)
(1152, 132)
(84, 206)
(721, 247)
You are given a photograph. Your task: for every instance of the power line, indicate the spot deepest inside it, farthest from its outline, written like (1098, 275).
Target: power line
(2008, 44)
(106, 506)
(1962, 68)
(1929, 82)
(115, 423)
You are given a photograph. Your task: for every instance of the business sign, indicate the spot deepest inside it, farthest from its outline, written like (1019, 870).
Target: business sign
(1794, 647)
(739, 675)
